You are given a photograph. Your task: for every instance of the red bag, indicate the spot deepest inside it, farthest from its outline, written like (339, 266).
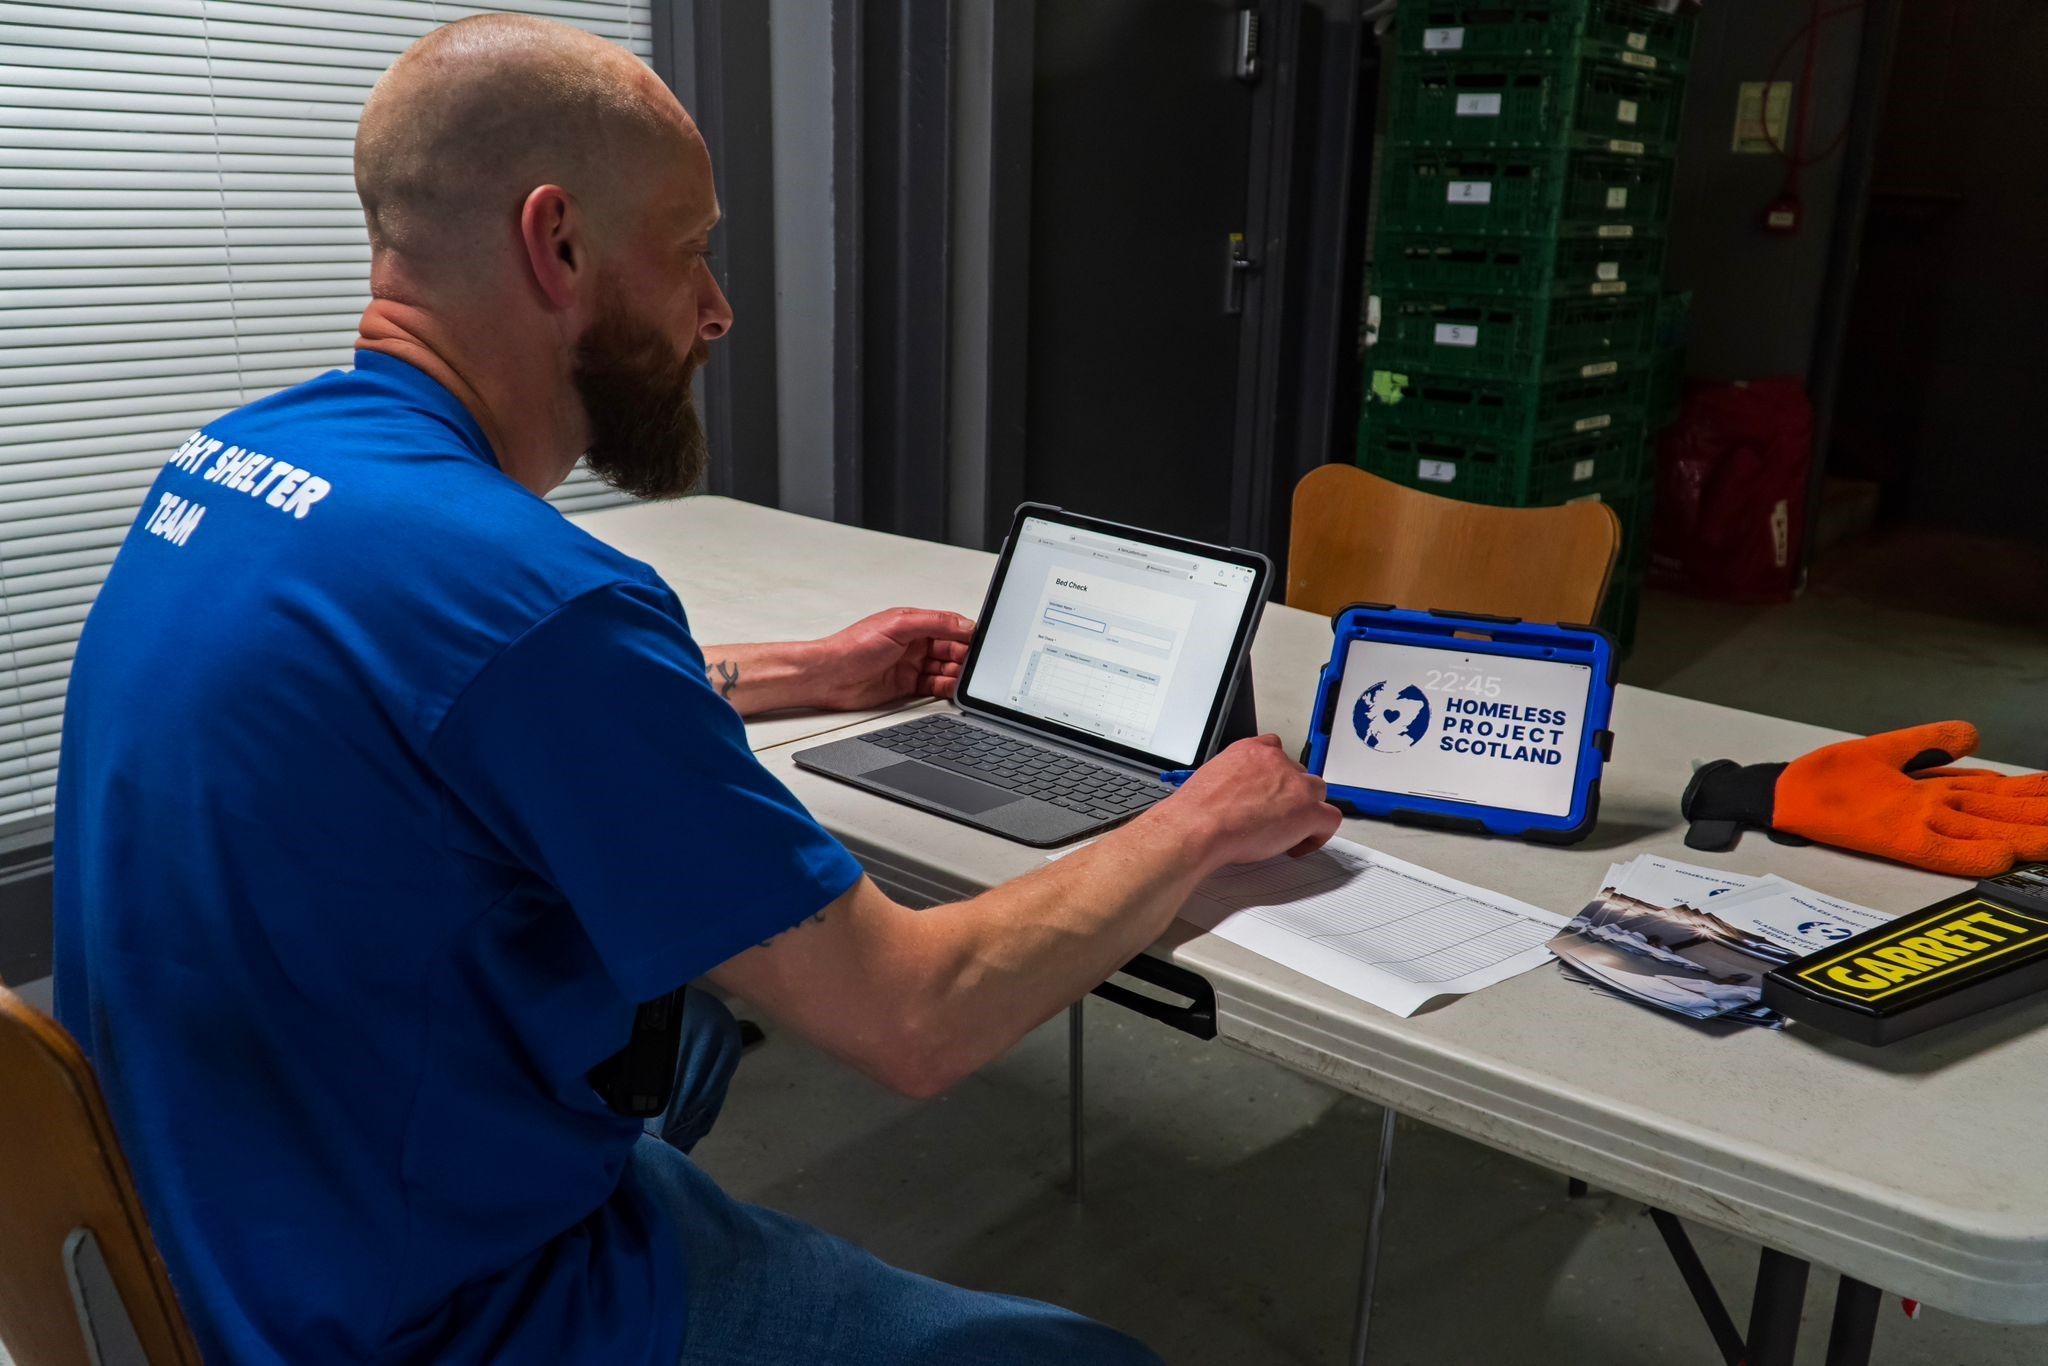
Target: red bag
(1731, 491)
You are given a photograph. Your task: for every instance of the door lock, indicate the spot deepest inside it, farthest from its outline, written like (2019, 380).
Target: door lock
(1242, 267)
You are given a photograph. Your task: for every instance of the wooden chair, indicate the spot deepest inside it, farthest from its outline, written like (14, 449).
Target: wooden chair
(81, 1283)
(1360, 538)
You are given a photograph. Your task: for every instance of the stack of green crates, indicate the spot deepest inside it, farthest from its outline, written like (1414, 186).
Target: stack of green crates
(1520, 256)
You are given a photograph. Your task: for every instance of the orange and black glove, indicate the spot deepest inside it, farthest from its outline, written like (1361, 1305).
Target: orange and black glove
(1893, 795)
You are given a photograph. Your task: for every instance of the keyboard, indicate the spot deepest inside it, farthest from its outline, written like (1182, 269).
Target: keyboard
(1020, 766)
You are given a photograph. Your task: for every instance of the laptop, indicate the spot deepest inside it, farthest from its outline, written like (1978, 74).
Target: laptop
(1104, 655)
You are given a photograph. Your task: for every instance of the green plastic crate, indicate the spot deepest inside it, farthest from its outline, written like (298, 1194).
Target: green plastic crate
(1519, 193)
(1646, 38)
(1615, 197)
(1592, 266)
(1617, 104)
(1535, 102)
(1667, 373)
(1502, 102)
(1439, 30)
(1519, 411)
(1481, 334)
(1604, 464)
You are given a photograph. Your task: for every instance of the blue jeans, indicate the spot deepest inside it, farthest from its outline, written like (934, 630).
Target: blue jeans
(766, 1290)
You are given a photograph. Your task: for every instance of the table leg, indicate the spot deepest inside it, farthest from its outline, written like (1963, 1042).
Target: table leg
(1774, 1313)
(1369, 1271)
(1719, 1323)
(1076, 1144)
(1855, 1327)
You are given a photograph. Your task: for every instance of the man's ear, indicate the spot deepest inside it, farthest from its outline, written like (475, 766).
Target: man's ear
(551, 229)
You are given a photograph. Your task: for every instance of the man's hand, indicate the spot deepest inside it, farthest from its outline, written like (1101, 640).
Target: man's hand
(903, 652)
(1251, 802)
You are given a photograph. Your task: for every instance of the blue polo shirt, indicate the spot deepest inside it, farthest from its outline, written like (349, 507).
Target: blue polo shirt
(386, 793)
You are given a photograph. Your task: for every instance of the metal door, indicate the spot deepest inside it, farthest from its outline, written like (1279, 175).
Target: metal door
(1140, 151)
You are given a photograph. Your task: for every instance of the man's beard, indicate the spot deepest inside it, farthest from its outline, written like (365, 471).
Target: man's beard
(645, 436)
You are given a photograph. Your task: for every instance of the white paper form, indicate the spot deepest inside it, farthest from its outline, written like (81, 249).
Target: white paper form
(1386, 931)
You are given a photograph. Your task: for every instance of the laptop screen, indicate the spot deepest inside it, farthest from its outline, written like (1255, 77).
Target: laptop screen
(1096, 631)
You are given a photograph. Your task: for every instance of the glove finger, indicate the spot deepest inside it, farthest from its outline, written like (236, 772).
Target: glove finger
(1899, 748)
(2019, 841)
(1966, 858)
(1999, 806)
(1984, 780)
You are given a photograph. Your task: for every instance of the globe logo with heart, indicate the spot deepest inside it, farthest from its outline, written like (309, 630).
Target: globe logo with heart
(1391, 720)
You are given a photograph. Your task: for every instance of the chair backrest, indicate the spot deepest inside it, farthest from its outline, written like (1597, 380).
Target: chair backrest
(81, 1283)
(1360, 538)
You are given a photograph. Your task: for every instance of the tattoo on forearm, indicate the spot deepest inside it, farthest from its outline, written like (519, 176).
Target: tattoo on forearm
(728, 677)
(808, 920)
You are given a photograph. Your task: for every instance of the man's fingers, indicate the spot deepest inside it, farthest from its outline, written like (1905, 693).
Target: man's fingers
(1332, 818)
(951, 651)
(920, 621)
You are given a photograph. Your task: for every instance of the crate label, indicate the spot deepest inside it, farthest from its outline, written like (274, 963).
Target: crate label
(1625, 111)
(1436, 471)
(1622, 147)
(1593, 424)
(1617, 198)
(1617, 230)
(1611, 287)
(1582, 470)
(1641, 59)
(1599, 368)
(1456, 334)
(1639, 42)
(1479, 106)
(1607, 270)
(1469, 192)
(1442, 39)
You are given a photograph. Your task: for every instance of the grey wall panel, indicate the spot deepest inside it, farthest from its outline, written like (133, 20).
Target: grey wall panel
(800, 73)
(1755, 295)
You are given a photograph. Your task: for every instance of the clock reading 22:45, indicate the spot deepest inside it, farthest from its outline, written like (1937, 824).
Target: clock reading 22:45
(1456, 680)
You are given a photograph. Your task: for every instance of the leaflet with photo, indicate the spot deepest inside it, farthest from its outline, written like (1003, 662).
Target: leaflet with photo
(1698, 941)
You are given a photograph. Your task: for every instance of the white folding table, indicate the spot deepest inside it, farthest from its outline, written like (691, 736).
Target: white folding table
(1909, 1168)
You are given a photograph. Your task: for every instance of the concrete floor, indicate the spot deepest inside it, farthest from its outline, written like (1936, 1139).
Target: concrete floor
(1224, 1207)
(1226, 1197)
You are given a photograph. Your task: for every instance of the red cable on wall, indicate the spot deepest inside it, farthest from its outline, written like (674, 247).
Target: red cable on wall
(1783, 213)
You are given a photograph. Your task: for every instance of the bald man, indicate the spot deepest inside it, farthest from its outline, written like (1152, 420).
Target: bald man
(388, 797)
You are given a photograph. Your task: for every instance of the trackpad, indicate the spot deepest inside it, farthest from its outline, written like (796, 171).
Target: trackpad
(937, 785)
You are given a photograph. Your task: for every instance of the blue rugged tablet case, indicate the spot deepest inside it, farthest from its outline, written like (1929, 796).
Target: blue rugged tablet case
(1471, 633)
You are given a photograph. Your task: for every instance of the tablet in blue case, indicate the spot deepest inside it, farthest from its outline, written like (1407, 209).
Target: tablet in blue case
(1483, 724)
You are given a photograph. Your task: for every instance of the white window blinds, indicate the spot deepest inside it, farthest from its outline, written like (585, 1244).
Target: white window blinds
(179, 235)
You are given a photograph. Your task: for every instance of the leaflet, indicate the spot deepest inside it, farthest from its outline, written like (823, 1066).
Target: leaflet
(1647, 936)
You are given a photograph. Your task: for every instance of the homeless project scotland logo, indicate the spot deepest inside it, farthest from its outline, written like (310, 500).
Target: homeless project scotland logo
(1390, 721)
(1392, 717)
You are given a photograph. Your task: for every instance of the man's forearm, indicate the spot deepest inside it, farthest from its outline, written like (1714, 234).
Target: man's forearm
(762, 678)
(1015, 956)
(920, 999)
